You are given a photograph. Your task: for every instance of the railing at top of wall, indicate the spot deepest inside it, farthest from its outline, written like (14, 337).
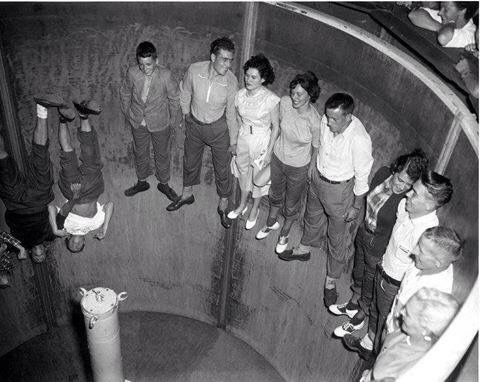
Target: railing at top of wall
(455, 341)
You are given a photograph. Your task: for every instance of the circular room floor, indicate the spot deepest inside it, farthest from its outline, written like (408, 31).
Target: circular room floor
(155, 347)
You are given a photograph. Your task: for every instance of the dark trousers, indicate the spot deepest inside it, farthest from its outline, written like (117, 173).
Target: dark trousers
(216, 136)
(324, 216)
(367, 256)
(31, 191)
(383, 295)
(161, 152)
(89, 173)
(287, 188)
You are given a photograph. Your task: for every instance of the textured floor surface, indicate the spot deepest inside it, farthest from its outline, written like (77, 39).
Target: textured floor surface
(155, 347)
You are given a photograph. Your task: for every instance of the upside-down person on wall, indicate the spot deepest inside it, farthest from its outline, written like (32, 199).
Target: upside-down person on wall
(81, 184)
(26, 195)
(150, 101)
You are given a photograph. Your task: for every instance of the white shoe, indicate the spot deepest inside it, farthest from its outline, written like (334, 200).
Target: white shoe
(347, 328)
(233, 215)
(264, 232)
(251, 223)
(282, 244)
(341, 309)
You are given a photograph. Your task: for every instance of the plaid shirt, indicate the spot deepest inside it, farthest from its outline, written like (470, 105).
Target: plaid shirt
(375, 201)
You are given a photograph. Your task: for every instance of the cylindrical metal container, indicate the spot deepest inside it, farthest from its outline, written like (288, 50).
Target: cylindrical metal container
(100, 311)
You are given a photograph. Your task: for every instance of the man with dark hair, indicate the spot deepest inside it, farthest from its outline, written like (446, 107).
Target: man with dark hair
(207, 101)
(414, 215)
(456, 28)
(81, 184)
(150, 101)
(26, 195)
(389, 186)
(339, 183)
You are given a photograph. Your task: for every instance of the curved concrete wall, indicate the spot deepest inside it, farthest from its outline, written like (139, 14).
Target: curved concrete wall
(174, 262)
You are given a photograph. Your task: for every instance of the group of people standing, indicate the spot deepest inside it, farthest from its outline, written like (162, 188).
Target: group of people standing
(280, 147)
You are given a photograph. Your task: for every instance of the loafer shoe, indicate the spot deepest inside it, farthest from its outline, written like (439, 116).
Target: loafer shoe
(180, 202)
(168, 192)
(330, 296)
(224, 220)
(87, 107)
(50, 100)
(347, 309)
(251, 223)
(138, 187)
(288, 255)
(282, 244)
(66, 113)
(233, 215)
(265, 231)
(353, 343)
(348, 327)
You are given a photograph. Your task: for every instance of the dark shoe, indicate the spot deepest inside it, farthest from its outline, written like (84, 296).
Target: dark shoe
(352, 343)
(86, 107)
(330, 296)
(180, 202)
(139, 187)
(50, 100)
(66, 114)
(288, 255)
(226, 222)
(168, 192)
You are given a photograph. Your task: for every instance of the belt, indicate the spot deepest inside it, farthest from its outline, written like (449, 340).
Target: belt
(387, 278)
(332, 181)
(204, 123)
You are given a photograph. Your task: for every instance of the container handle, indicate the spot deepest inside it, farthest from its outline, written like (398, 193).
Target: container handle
(122, 296)
(91, 322)
(83, 291)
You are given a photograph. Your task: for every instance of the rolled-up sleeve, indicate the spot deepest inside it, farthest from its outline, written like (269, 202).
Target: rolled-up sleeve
(186, 92)
(230, 112)
(362, 163)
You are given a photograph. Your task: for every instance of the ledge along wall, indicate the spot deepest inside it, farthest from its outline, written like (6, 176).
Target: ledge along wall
(173, 262)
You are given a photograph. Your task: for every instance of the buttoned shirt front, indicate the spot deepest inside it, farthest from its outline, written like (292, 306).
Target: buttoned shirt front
(208, 95)
(346, 155)
(414, 280)
(405, 235)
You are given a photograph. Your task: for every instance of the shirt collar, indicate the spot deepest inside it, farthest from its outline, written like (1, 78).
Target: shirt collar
(432, 216)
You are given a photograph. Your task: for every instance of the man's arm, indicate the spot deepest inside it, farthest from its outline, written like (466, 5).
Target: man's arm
(445, 34)
(52, 218)
(231, 113)
(173, 95)
(108, 215)
(275, 117)
(362, 165)
(186, 92)
(469, 75)
(126, 92)
(422, 19)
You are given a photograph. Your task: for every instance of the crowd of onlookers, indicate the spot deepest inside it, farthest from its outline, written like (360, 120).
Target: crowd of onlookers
(283, 148)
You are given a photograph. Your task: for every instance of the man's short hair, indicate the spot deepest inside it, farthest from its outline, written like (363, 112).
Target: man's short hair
(470, 7)
(146, 49)
(222, 43)
(261, 63)
(343, 101)
(67, 243)
(309, 82)
(438, 186)
(414, 163)
(437, 310)
(447, 239)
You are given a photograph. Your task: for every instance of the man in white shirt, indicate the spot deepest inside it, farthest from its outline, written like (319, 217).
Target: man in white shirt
(437, 249)
(339, 183)
(414, 216)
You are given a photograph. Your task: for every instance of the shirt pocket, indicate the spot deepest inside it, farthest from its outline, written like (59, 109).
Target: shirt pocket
(218, 94)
